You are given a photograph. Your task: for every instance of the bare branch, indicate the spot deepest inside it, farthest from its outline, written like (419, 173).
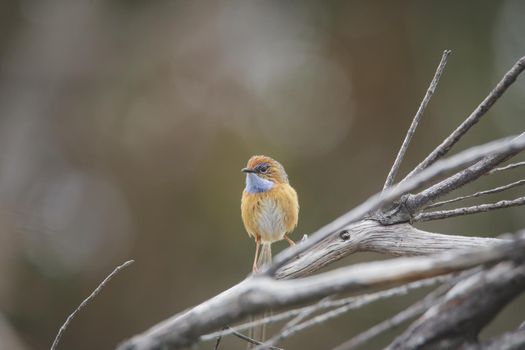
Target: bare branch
(508, 167)
(259, 293)
(478, 194)
(458, 319)
(495, 148)
(410, 133)
(472, 119)
(371, 236)
(87, 300)
(444, 214)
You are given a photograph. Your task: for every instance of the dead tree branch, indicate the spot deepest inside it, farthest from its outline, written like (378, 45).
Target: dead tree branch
(457, 320)
(371, 236)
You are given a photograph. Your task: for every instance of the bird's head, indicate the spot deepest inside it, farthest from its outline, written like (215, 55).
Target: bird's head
(262, 173)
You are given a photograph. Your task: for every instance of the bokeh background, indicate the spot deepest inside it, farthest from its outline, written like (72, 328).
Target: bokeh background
(124, 126)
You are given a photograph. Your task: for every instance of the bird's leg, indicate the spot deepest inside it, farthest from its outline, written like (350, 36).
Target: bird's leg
(290, 242)
(257, 245)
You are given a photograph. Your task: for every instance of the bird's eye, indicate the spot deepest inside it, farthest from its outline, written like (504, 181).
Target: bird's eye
(263, 168)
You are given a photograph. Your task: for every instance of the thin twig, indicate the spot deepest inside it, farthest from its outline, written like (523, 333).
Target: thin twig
(219, 338)
(472, 119)
(410, 133)
(251, 340)
(217, 343)
(354, 301)
(478, 194)
(240, 336)
(508, 167)
(443, 214)
(87, 300)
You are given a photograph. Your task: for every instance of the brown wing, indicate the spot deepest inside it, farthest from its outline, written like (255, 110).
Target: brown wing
(249, 212)
(288, 200)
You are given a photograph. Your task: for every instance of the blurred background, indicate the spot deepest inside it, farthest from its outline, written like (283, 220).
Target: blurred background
(124, 126)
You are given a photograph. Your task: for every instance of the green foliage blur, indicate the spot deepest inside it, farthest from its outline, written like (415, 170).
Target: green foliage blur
(124, 126)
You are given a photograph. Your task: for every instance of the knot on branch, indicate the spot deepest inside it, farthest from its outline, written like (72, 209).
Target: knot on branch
(345, 235)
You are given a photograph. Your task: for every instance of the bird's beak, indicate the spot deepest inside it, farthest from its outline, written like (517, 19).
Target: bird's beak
(247, 170)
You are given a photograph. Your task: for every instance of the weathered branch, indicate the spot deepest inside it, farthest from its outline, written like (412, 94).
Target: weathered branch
(412, 129)
(371, 236)
(259, 293)
(482, 208)
(478, 194)
(473, 118)
(457, 320)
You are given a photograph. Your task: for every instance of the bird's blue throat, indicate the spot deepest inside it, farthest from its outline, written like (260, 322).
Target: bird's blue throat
(256, 184)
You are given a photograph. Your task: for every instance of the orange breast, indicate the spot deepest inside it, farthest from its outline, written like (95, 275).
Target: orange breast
(270, 215)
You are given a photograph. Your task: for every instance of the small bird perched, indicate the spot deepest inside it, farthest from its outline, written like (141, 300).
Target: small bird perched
(269, 206)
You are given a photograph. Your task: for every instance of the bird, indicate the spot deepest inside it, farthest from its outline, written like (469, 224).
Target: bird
(269, 206)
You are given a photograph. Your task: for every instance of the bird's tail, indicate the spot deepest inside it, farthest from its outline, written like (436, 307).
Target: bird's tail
(265, 258)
